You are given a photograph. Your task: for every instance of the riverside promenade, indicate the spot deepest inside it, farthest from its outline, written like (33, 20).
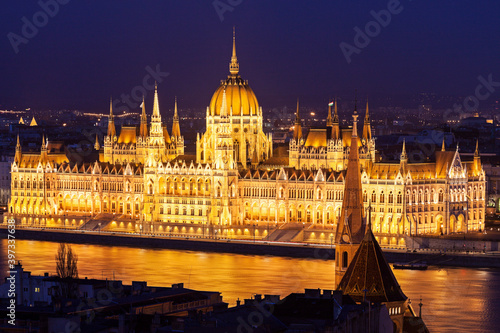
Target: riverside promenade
(444, 255)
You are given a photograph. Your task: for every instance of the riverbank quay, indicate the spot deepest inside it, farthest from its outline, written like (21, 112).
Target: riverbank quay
(435, 257)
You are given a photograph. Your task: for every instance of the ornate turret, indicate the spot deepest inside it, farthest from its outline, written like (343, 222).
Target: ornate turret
(144, 120)
(156, 129)
(111, 121)
(403, 160)
(477, 160)
(367, 130)
(176, 129)
(297, 129)
(329, 122)
(43, 151)
(96, 144)
(19, 151)
(234, 66)
(335, 124)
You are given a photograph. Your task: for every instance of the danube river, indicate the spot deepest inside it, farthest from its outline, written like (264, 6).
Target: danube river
(454, 299)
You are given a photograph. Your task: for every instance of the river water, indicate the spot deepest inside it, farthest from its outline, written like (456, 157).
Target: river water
(454, 299)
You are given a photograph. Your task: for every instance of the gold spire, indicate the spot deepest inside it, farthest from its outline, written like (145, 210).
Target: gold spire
(351, 228)
(17, 157)
(297, 130)
(96, 144)
(156, 105)
(234, 66)
(329, 118)
(176, 130)
(477, 160)
(43, 141)
(111, 121)
(335, 123)
(33, 122)
(144, 120)
(443, 146)
(43, 151)
(367, 131)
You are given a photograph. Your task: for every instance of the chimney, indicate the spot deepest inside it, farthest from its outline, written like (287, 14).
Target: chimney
(238, 302)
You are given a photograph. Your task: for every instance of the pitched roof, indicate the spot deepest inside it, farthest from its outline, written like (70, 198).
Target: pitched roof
(127, 135)
(370, 271)
(316, 137)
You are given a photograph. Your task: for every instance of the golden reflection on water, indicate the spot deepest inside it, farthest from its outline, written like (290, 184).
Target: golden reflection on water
(454, 299)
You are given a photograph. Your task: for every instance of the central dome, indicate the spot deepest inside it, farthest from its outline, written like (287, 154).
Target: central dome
(239, 95)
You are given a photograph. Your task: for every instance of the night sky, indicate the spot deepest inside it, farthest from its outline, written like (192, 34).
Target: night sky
(91, 50)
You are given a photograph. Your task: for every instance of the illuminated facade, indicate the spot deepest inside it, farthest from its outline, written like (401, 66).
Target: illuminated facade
(143, 181)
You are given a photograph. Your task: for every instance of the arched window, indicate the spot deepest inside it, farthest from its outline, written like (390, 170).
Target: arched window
(391, 197)
(365, 196)
(400, 198)
(441, 196)
(382, 197)
(374, 196)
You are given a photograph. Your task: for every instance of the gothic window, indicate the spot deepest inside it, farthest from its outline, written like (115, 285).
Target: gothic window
(365, 196)
(382, 197)
(345, 258)
(374, 196)
(441, 196)
(399, 198)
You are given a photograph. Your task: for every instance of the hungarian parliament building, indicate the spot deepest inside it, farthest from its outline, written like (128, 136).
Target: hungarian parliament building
(143, 181)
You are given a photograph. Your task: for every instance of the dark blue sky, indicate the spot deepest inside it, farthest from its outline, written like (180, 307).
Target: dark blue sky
(93, 49)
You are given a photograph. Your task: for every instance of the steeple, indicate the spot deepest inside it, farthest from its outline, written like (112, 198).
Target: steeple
(335, 124)
(33, 122)
(367, 130)
(96, 144)
(351, 222)
(111, 121)
(477, 160)
(18, 156)
(234, 66)
(443, 145)
(156, 107)
(43, 149)
(176, 129)
(351, 225)
(144, 120)
(156, 130)
(403, 160)
(329, 118)
(297, 130)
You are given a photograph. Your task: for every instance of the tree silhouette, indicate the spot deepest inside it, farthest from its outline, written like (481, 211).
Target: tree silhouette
(67, 271)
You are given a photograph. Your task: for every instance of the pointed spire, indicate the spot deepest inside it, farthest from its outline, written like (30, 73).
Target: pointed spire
(176, 129)
(351, 228)
(33, 122)
(18, 155)
(156, 105)
(96, 144)
(335, 123)
(477, 160)
(367, 130)
(297, 129)
(111, 120)
(329, 121)
(43, 141)
(144, 120)
(234, 66)
(355, 125)
(443, 145)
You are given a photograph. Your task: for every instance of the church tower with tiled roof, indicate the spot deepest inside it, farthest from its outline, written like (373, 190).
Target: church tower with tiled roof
(370, 278)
